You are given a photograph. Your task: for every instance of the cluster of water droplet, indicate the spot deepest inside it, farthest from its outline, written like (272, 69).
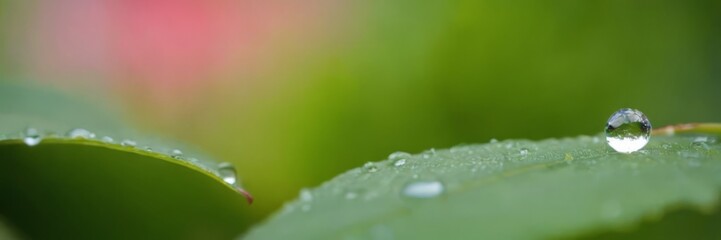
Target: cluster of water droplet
(226, 171)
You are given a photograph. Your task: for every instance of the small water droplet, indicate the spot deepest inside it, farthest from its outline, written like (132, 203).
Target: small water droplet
(148, 149)
(32, 137)
(128, 143)
(176, 153)
(351, 195)
(227, 172)
(80, 133)
(628, 130)
(107, 139)
(702, 142)
(370, 167)
(523, 151)
(423, 189)
(399, 158)
(306, 195)
(399, 155)
(493, 140)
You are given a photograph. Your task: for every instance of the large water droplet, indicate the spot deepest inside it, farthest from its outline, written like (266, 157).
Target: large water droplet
(227, 172)
(32, 137)
(628, 130)
(80, 133)
(423, 189)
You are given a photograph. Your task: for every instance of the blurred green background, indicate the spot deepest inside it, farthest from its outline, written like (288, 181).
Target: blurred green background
(295, 93)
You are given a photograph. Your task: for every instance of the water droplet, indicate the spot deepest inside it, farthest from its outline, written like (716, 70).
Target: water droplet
(523, 151)
(227, 172)
(128, 143)
(370, 167)
(493, 140)
(351, 195)
(702, 142)
(107, 139)
(80, 133)
(306, 195)
(148, 149)
(175, 153)
(423, 189)
(399, 155)
(32, 137)
(628, 130)
(399, 158)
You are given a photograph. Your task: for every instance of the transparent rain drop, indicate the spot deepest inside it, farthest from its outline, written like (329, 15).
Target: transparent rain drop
(399, 155)
(628, 130)
(32, 137)
(176, 153)
(227, 172)
(128, 143)
(80, 133)
(493, 140)
(423, 189)
(399, 158)
(351, 195)
(523, 151)
(370, 167)
(107, 139)
(306, 195)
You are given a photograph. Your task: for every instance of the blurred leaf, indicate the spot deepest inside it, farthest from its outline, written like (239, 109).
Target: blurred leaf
(515, 189)
(5, 232)
(81, 185)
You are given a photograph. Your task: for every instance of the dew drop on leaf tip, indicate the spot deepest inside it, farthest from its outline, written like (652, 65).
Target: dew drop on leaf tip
(227, 173)
(628, 130)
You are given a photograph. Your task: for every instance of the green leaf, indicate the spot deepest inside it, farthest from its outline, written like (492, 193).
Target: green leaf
(517, 189)
(90, 187)
(5, 232)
